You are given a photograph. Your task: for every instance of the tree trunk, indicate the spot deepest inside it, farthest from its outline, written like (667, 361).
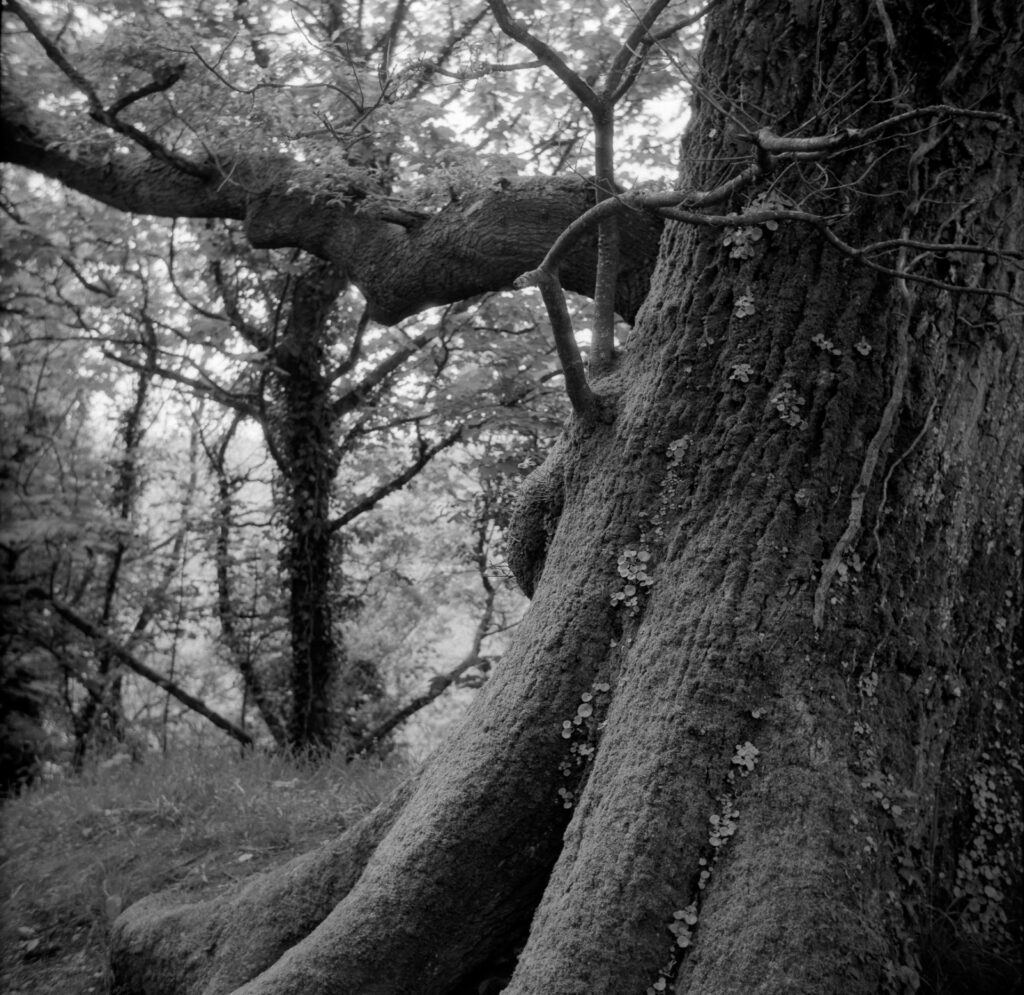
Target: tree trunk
(241, 654)
(106, 715)
(309, 463)
(782, 599)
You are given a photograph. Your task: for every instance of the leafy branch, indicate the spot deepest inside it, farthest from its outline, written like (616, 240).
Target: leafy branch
(163, 80)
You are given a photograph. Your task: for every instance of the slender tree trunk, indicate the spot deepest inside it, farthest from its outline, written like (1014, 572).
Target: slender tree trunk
(124, 494)
(241, 654)
(779, 589)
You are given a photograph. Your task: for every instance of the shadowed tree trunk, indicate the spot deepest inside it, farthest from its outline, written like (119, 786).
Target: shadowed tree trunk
(309, 455)
(778, 585)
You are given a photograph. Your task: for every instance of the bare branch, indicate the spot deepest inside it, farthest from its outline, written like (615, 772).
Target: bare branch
(442, 682)
(355, 350)
(163, 81)
(210, 388)
(583, 400)
(371, 500)
(517, 31)
(775, 144)
(229, 299)
(352, 398)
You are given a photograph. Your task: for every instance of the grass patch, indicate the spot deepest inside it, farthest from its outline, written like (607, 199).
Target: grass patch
(78, 851)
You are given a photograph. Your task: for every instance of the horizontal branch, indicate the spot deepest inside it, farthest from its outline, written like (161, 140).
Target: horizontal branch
(403, 261)
(816, 145)
(108, 116)
(127, 180)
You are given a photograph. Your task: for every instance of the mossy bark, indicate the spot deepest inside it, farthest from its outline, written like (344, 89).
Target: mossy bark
(808, 743)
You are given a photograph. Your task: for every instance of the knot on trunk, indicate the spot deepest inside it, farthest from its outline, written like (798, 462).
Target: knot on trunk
(534, 520)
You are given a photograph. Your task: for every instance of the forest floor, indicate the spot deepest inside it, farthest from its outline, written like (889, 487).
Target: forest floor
(76, 851)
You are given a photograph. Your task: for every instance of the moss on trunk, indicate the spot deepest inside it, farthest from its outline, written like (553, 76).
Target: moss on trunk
(783, 597)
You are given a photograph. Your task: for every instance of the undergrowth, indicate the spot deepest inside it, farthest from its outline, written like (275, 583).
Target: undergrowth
(77, 851)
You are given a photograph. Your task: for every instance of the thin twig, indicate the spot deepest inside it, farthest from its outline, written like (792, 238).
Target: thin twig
(371, 500)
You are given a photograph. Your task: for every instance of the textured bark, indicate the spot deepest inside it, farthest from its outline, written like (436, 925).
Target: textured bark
(402, 261)
(171, 944)
(844, 414)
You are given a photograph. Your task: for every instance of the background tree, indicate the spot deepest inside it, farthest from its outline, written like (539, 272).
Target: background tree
(761, 730)
(323, 389)
(78, 471)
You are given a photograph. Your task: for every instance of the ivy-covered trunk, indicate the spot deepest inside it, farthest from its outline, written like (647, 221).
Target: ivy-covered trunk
(761, 730)
(329, 692)
(308, 460)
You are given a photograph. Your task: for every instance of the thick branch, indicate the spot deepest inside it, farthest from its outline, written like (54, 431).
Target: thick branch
(479, 244)
(125, 180)
(108, 117)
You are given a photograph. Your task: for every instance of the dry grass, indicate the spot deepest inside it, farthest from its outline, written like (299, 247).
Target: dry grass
(76, 852)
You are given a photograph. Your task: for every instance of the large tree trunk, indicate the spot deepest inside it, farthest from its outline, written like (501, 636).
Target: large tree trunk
(803, 777)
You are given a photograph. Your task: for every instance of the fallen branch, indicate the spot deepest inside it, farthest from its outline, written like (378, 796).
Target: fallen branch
(86, 627)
